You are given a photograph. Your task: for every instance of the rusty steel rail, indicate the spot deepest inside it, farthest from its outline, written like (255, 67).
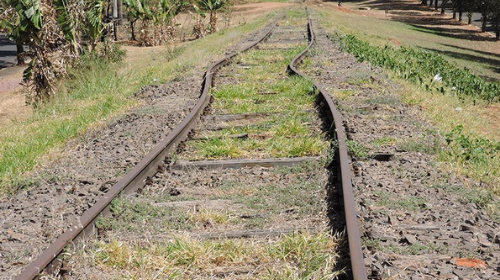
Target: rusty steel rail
(358, 268)
(133, 180)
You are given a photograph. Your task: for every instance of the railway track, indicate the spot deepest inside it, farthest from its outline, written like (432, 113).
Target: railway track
(248, 185)
(273, 194)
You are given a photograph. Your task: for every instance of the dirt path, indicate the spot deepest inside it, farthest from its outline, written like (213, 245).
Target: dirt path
(12, 102)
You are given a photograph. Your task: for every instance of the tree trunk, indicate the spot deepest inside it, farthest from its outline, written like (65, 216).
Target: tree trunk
(431, 2)
(469, 17)
(454, 13)
(115, 30)
(436, 5)
(20, 54)
(484, 20)
(443, 5)
(120, 12)
(424, 2)
(213, 21)
(460, 15)
(132, 30)
(497, 29)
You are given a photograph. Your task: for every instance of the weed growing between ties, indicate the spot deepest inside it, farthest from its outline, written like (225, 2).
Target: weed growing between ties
(289, 192)
(283, 136)
(411, 249)
(357, 149)
(294, 256)
(286, 133)
(288, 197)
(392, 201)
(128, 215)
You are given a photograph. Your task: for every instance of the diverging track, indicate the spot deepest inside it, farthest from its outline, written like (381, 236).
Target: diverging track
(253, 193)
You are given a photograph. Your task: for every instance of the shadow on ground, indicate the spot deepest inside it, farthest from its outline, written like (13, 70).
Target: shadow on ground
(491, 63)
(456, 33)
(413, 13)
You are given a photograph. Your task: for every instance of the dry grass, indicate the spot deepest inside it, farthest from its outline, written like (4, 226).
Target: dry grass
(294, 256)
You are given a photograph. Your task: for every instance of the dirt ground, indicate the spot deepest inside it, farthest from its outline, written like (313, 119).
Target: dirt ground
(12, 105)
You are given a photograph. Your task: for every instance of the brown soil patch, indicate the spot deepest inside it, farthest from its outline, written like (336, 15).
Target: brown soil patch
(256, 9)
(12, 101)
(493, 112)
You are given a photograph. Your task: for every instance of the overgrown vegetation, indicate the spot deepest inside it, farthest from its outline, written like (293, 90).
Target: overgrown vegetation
(59, 32)
(54, 32)
(425, 68)
(156, 17)
(475, 156)
(234, 204)
(93, 97)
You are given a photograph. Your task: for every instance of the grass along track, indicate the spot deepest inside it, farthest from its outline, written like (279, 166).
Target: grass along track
(355, 145)
(64, 188)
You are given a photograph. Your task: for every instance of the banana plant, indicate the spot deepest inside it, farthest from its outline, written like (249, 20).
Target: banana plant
(168, 9)
(212, 6)
(164, 14)
(137, 10)
(69, 21)
(22, 19)
(95, 24)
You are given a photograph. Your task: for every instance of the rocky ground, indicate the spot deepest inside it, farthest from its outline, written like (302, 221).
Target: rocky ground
(418, 221)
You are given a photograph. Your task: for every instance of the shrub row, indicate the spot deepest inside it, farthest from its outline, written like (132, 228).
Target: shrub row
(423, 67)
